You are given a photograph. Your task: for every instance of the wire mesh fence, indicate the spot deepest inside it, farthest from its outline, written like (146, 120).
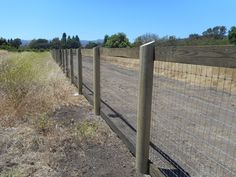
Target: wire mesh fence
(87, 72)
(193, 127)
(119, 90)
(193, 119)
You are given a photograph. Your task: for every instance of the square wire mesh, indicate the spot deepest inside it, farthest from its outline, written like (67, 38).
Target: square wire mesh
(193, 119)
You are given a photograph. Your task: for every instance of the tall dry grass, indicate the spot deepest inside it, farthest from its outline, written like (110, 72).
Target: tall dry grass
(31, 84)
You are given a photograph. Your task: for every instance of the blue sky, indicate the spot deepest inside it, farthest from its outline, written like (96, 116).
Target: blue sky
(92, 19)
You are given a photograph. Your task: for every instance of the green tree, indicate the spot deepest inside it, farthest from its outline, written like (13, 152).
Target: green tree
(105, 39)
(63, 41)
(39, 44)
(3, 41)
(91, 45)
(55, 43)
(232, 35)
(68, 42)
(73, 42)
(77, 39)
(148, 37)
(118, 40)
(15, 43)
(217, 32)
(138, 42)
(194, 36)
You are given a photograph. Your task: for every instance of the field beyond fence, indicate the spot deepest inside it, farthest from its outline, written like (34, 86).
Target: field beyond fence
(193, 125)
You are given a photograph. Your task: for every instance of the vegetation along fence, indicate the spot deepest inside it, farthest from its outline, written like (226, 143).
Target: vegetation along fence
(174, 107)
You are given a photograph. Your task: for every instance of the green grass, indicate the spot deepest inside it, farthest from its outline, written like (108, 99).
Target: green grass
(88, 129)
(43, 124)
(12, 173)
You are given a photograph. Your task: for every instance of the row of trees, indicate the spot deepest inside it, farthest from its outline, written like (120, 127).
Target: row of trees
(41, 44)
(56, 43)
(217, 35)
(10, 43)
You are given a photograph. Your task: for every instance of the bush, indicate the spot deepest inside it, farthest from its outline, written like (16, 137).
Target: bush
(232, 35)
(15, 76)
(87, 129)
(118, 40)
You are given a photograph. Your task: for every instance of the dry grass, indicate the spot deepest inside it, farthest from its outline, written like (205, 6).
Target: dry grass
(222, 79)
(3, 52)
(217, 78)
(32, 87)
(48, 130)
(31, 84)
(92, 130)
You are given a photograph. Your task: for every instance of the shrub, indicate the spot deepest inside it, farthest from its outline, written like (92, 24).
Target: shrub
(232, 35)
(87, 129)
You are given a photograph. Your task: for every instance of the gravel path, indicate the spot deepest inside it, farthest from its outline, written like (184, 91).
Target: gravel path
(194, 125)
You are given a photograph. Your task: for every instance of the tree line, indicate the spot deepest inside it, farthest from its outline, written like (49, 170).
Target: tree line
(218, 35)
(66, 42)
(41, 44)
(10, 43)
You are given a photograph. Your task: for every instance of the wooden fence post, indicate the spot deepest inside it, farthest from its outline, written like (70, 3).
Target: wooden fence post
(56, 55)
(67, 63)
(96, 80)
(63, 61)
(64, 53)
(60, 57)
(144, 106)
(79, 57)
(71, 66)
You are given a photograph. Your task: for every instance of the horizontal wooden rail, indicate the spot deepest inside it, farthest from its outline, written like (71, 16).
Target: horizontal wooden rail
(216, 56)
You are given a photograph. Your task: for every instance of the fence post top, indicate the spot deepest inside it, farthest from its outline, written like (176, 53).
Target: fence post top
(96, 50)
(148, 44)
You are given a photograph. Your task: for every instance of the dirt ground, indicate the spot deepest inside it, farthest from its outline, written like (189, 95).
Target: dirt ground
(195, 125)
(66, 142)
(61, 151)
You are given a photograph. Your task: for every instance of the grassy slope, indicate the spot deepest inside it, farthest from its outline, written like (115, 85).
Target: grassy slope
(30, 84)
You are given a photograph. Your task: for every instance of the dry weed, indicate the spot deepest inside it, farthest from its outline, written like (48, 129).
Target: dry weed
(31, 84)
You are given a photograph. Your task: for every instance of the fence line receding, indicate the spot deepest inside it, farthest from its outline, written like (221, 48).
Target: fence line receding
(193, 125)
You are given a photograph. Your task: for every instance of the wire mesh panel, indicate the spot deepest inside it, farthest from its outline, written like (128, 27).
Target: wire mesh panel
(75, 67)
(119, 90)
(87, 63)
(68, 63)
(194, 120)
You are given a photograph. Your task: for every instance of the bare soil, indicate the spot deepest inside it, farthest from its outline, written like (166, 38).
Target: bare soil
(193, 123)
(61, 152)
